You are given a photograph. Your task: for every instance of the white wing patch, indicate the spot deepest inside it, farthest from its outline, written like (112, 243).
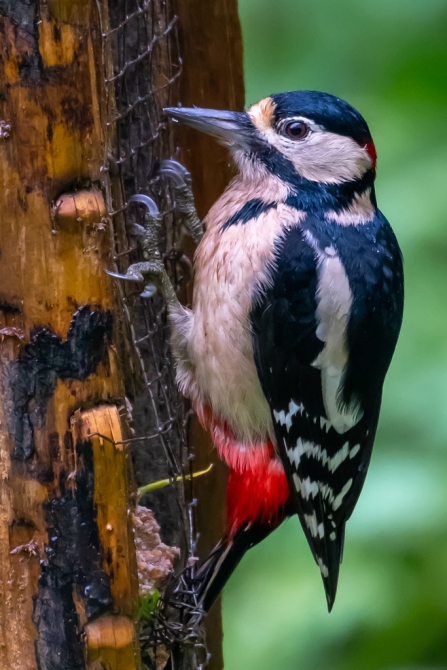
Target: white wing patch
(308, 488)
(339, 499)
(323, 568)
(354, 451)
(334, 304)
(316, 529)
(309, 449)
(325, 423)
(285, 418)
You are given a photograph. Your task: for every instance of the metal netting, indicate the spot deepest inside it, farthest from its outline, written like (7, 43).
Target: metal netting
(140, 68)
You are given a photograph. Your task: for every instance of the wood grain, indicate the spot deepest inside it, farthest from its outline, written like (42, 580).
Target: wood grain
(211, 49)
(56, 347)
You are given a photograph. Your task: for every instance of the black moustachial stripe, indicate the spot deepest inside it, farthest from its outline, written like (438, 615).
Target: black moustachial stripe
(332, 114)
(327, 469)
(251, 210)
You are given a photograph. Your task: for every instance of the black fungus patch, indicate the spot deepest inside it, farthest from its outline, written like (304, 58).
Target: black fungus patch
(24, 14)
(8, 307)
(72, 566)
(47, 358)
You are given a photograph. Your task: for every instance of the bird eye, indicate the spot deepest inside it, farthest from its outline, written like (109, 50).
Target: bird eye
(296, 130)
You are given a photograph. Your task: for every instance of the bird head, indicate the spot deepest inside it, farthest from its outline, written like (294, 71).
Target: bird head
(300, 136)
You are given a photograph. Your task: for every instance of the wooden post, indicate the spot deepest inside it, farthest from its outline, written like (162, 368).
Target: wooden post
(60, 565)
(68, 591)
(211, 49)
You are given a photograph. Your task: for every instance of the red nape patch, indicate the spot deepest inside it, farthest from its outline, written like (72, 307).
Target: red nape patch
(371, 149)
(257, 495)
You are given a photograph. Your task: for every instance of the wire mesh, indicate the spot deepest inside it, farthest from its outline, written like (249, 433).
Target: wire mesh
(140, 69)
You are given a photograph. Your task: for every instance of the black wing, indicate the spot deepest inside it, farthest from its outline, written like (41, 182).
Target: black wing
(326, 467)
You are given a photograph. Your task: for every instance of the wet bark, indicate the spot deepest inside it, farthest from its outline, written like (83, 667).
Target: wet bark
(211, 48)
(68, 577)
(60, 568)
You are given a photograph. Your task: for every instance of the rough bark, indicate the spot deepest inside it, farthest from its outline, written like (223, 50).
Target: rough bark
(68, 587)
(59, 568)
(211, 48)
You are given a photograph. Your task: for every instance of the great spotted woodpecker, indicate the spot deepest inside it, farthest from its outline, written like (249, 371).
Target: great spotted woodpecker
(297, 307)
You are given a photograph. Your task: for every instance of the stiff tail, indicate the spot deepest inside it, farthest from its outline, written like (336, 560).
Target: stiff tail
(326, 540)
(333, 557)
(216, 570)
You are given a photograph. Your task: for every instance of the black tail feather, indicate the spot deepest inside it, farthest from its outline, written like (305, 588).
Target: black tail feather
(216, 570)
(327, 550)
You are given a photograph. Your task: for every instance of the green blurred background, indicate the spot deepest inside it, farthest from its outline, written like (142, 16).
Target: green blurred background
(389, 59)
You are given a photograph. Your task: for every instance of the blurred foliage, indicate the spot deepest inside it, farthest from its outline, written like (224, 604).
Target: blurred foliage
(148, 607)
(389, 59)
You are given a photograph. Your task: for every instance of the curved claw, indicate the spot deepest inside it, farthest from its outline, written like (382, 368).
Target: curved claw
(149, 291)
(146, 200)
(126, 277)
(173, 165)
(174, 171)
(136, 230)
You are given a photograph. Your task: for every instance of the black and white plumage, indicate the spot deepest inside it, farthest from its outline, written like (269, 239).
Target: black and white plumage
(299, 258)
(322, 380)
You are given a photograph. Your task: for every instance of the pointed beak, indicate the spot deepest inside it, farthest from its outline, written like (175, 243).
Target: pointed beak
(232, 128)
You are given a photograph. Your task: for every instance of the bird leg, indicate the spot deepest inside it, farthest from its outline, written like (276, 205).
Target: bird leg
(151, 271)
(181, 183)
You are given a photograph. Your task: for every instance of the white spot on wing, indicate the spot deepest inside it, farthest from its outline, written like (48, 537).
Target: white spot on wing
(354, 451)
(339, 457)
(312, 450)
(323, 568)
(316, 529)
(309, 488)
(327, 493)
(325, 424)
(312, 523)
(339, 499)
(332, 536)
(285, 418)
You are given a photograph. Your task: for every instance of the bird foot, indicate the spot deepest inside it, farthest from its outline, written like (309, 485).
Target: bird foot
(181, 183)
(151, 270)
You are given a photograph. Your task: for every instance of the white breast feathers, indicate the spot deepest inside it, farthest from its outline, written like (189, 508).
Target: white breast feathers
(216, 358)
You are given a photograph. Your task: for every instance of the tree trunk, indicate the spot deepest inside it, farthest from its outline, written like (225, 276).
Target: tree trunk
(211, 48)
(88, 404)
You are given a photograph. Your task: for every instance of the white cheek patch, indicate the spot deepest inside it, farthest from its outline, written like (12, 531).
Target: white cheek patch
(321, 156)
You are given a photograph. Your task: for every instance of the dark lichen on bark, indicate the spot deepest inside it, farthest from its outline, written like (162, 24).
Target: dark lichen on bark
(24, 15)
(33, 377)
(72, 568)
